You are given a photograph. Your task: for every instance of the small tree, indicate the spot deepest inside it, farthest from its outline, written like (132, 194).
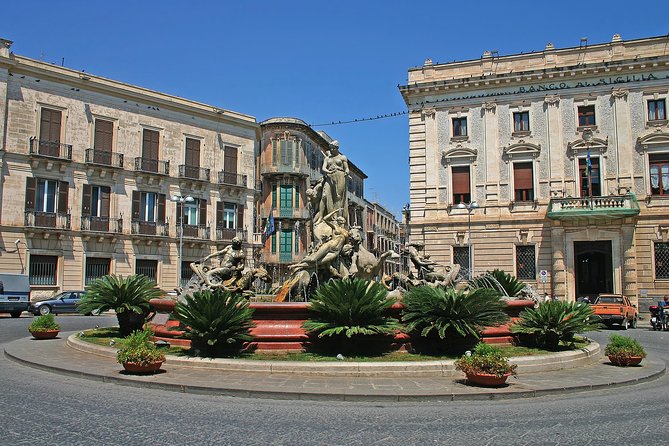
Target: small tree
(128, 297)
(556, 321)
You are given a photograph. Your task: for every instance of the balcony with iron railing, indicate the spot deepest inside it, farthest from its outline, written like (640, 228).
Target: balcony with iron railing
(47, 220)
(227, 234)
(194, 173)
(200, 232)
(104, 158)
(278, 167)
(149, 165)
(150, 228)
(50, 149)
(598, 208)
(232, 179)
(295, 213)
(102, 224)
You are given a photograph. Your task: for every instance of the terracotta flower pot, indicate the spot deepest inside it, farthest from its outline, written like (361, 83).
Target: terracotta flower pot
(486, 379)
(134, 367)
(624, 361)
(46, 334)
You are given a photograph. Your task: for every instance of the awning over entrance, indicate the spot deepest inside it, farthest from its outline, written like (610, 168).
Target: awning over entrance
(593, 208)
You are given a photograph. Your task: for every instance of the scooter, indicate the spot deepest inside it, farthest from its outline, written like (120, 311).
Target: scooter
(659, 317)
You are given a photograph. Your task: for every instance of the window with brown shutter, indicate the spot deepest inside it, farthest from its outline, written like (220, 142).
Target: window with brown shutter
(219, 214)
(105, 201)
(136, 197)
(161, 208)
(240, 217)
(202, 211)
(523, 183)
(63, 190)
(31, 187)
(192, 152)
(461, 184)
(49, 134)
(104, 132)
(150, 144)
(86, 201)
(180, 213)
(230, 160)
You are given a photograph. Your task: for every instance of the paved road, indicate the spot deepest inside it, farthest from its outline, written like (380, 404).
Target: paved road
(40, 407)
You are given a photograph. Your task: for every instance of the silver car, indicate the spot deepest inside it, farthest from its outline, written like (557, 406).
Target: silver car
(65, 302)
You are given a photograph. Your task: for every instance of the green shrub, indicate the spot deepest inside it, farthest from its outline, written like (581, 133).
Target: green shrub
(45, 322)
(499, 280)
(128, 297)
(347, 309)
(216, 322)
(485, 359)
(444, 313)
(623, 347)
(556, 321)
(138, 348)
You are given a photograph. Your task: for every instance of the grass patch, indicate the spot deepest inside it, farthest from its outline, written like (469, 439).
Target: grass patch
(103, 337)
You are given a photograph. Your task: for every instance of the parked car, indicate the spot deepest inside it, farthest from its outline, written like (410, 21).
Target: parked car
(615, 309)
(65, 302)
(14, 293)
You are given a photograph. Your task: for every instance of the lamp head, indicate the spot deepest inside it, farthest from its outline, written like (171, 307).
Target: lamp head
(176, 198)
(189, 199)
(474, 205)
(461, 205)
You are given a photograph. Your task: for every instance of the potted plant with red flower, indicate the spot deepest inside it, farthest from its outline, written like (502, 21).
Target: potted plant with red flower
(486, 366)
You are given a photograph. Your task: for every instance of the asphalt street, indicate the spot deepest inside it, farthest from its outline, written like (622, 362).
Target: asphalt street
(41, 407)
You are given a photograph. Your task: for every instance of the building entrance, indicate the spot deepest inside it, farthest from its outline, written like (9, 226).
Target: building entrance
(593, 268)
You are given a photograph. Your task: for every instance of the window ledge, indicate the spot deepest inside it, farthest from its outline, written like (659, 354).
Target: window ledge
(657, 200)
(657, 123)
(521, 134)
(582, 128)
(460, 138)
(523, 206)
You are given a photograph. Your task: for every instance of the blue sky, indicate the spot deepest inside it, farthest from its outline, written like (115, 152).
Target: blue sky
(314, 60)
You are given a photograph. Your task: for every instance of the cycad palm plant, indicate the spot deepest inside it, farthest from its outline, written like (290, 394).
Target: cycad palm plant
(349, 309)
(128, 297)
(452, 315)
(217, 322)
(555, 321)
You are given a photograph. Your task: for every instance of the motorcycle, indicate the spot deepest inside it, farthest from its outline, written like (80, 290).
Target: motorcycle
(659, 317)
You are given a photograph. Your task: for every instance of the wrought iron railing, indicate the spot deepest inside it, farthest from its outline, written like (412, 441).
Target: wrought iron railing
(228, 234)
(194, 231)
(152, 165)
(102, 224)
(193, 172)
(104, 158)
(51, 149)
(53, 220)
(232, 179)
(139, 227)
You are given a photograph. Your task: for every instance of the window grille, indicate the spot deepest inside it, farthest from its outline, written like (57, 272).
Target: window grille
(186, 273)
(148, 268)
(661, 260)
(43, 270)
(96, 268)
(526, 263)
(461, 257)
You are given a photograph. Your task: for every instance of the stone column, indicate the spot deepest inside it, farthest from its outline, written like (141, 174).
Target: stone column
(629, 262)
(432, 157)
(559, 272)
(490, 154)
(623, 141)
(554, 144)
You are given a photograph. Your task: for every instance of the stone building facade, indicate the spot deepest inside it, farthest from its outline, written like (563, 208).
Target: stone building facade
(566, 154)
(383, 234)
(89, 167)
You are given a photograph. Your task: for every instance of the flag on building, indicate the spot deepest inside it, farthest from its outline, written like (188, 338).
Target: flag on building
(269, 225)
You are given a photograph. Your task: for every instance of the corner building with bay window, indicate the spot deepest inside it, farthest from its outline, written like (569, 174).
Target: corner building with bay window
(88, 169)
(566, 153)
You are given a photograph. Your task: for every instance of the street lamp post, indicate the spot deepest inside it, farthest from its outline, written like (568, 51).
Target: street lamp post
(471, 207)
(181, 200)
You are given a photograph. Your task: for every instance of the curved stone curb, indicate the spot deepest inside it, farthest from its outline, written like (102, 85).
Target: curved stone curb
(406, 369)
(179, 379)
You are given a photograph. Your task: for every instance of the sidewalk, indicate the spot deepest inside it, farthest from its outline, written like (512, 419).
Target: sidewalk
(58, 357)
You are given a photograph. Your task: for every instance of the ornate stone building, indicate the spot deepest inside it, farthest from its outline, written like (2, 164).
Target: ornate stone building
(89, 167)
(383, 234)
(566, 154)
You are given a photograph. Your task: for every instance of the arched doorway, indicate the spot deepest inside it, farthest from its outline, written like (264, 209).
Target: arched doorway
(593, 268)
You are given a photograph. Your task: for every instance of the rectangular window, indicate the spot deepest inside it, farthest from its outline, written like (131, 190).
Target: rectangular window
(148, 206)
(525, 262)
(186, 273)
(150, 144)
(190, 213)
(297, 196)
(49, 133)
(104, 133)
(286, 196)
(286, 147)
(586, 115)
(45, 196)
(590, 180)
(459, 127)
(657, 110)
(43, 270)
(461, 257)
(229, 211)
(661, 260)
(95, 269)
(285, 243)
(274, 243)
(273, 195)
(521, 121)
(523, 182)
(659, 174)
(461, 184)
(148, 268)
